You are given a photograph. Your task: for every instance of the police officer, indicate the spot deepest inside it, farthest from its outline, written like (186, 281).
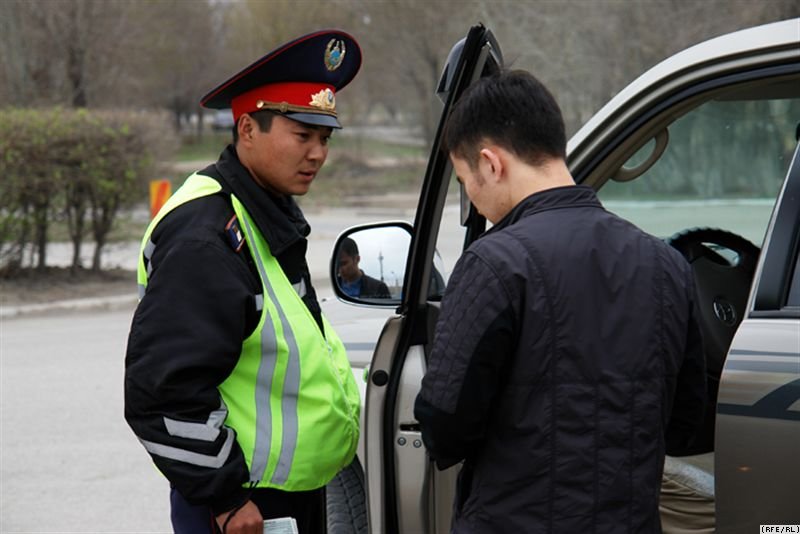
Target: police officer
(235, 382)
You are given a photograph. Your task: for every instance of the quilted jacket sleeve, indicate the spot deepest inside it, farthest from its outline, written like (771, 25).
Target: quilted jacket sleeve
(471, 346)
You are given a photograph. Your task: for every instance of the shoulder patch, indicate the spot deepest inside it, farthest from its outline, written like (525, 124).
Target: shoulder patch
(234, 233)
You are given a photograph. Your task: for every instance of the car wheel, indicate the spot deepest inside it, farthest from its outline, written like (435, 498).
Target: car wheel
(346, 505)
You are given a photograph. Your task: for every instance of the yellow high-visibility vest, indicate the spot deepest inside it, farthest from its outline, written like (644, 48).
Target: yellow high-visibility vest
(291, 398)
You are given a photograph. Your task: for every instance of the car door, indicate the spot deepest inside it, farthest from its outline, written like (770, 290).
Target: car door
(757, 470)
(404, 494)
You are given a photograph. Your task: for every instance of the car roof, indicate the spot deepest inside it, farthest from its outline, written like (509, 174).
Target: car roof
(712, 58)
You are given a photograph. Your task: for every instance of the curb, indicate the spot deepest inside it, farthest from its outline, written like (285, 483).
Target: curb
(91, 303)
(111, 302)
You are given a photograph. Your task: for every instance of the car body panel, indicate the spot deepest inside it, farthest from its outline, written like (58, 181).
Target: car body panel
(758, 428)
(373, 429)
(411, 460)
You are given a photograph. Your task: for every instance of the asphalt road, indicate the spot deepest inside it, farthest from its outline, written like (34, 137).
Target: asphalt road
(68, 461)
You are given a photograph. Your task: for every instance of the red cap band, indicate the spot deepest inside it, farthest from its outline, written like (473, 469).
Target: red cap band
(303, 97)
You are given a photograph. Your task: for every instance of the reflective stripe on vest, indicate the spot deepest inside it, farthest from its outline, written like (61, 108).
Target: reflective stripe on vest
(291, 398)
(263, 384)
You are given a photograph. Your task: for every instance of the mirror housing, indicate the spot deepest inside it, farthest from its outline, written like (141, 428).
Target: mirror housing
(368, 263)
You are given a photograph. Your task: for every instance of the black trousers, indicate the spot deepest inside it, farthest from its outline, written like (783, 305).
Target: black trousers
(307, 507)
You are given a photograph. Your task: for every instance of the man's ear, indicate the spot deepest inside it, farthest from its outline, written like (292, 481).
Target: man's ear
(244, 127)
(492, 162)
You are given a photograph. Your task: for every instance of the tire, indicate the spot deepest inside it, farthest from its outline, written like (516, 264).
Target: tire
(345, 501)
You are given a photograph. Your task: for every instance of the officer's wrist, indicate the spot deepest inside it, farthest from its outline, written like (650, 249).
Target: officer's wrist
(230, 502)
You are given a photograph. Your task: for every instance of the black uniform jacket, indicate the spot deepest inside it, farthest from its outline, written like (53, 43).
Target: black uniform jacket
(566, 357)
(188, 329)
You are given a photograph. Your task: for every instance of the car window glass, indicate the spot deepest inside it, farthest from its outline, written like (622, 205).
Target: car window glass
(722, 168)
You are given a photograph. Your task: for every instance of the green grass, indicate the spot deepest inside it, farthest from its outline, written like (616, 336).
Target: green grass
(355, 166)
(211, 144)
(206, 148)
(127, 228)
(373, 148)
(342, 180)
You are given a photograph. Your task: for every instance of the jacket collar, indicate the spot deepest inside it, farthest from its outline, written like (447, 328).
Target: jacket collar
(549, 199)
(279, 218)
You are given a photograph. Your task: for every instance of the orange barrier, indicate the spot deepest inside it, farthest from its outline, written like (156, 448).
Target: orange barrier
(160, 191)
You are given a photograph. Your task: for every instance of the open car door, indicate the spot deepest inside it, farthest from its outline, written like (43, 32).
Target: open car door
(404, 492)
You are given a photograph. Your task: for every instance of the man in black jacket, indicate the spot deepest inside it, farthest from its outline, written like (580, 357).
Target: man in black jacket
(567, 357)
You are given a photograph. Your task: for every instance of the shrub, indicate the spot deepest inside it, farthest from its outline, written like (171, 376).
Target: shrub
(77, 166)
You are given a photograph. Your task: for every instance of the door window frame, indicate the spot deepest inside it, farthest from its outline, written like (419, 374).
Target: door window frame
(780, 254)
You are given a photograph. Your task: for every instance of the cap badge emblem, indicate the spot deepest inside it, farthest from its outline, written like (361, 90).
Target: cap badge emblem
(324, 100)
(334, 54)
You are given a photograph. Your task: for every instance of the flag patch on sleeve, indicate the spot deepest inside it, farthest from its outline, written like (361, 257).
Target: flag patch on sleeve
(234, 233)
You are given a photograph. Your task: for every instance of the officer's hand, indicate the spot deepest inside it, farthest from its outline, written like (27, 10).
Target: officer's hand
(247, 520)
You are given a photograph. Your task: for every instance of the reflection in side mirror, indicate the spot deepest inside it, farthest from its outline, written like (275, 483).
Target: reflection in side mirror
(368, 263)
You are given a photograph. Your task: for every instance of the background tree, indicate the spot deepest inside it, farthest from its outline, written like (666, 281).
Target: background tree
(406, 43)
(164, 55)
(66, 52)
(168, 53)
(588, 51)
(79, 165)
(182, 54)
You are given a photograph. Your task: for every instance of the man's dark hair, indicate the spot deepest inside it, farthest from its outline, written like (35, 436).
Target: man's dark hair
(349, 247)
(263, 118)
(513, 110)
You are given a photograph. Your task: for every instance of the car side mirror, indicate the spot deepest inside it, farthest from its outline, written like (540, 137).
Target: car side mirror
(368, 263)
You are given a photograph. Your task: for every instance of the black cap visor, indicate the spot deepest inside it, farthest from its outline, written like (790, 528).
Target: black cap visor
(314, 119)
